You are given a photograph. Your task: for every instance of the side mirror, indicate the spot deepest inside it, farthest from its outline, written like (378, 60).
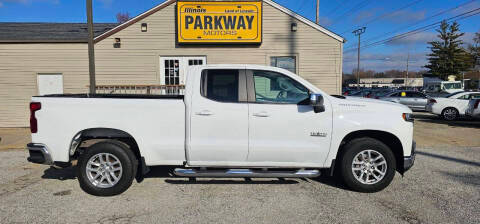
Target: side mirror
(316, 100)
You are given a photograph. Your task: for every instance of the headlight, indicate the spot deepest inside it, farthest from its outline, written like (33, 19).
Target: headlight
(408, 117)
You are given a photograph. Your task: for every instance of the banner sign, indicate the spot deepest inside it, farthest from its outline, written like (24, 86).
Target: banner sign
(219, 22)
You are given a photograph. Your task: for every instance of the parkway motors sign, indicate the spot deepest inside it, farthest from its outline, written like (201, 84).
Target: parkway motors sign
(219, 22)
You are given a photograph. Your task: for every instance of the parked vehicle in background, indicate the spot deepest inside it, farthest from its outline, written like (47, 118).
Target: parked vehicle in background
(452, 106)
(234, 121)
(363, 93)
(439, 88)
(379, 93)
(416, 101)
(473, 109)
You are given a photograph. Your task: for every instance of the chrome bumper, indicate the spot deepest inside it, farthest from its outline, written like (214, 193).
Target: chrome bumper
(409, 160)
(39, 154)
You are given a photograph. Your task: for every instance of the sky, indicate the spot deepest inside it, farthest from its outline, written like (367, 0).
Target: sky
(382, 19)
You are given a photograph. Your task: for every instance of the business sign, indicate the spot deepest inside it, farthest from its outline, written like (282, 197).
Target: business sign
(219, 22)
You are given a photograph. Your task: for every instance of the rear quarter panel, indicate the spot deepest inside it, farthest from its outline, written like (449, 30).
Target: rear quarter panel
(157, 125)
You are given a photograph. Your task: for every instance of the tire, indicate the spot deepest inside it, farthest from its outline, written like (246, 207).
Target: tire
(115, 155)
(373, 180)
(450, 114)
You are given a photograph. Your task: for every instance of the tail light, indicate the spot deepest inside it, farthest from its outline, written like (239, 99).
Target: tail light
(476, 104)
(33, 120)
(369, 96)
(432, 101)
(345, 93)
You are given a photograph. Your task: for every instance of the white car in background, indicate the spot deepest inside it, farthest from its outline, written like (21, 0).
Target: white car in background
(452, 106)
(473, 109)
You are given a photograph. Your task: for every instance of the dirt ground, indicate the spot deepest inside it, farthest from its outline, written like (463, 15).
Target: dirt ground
(442, 187)
(430, 130)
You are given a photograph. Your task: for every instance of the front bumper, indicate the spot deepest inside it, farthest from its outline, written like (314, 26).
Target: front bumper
(409, 160)
(39, 154)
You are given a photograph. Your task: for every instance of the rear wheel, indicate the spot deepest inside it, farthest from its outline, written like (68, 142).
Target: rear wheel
(450, 114)
(367, 165)
(106, 169)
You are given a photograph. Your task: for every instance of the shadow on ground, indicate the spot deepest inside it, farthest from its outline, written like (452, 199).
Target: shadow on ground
(434, 119)
(166, 172)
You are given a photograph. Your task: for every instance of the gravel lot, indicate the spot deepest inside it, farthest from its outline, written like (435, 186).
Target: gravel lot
(442, 187)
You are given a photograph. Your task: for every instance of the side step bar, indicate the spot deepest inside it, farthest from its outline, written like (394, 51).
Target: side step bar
(245, 173)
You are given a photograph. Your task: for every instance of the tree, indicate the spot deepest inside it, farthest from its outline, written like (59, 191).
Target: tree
(123, 17)
(475, 50)
(447, 56)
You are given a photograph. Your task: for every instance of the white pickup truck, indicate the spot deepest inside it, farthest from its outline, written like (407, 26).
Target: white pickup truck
(234, 121)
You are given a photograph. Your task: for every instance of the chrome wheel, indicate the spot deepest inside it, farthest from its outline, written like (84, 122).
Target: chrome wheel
(104, 170)
(369, 167)
(450, 114)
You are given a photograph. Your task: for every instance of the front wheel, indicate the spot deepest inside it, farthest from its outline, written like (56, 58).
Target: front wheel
(106, 169)
(367, 165)
(450, 114)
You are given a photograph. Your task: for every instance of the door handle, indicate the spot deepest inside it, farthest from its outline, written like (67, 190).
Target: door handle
(204, 113)
(261, 114)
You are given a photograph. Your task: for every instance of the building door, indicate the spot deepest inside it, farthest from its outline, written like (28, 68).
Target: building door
(50, 84)
(173, 69)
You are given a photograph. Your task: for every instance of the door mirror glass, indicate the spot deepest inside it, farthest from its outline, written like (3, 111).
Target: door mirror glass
(316, 100)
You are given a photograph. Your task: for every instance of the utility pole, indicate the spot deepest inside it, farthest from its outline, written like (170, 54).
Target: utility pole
(318, 12)
(359, 32)
(406, 79)
(91, 52)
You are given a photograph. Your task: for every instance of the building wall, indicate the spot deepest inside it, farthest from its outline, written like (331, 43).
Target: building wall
(319, 59)
(19, 66)
(319, 56)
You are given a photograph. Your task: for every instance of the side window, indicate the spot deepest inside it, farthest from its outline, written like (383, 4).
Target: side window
(464, 97)
(395, 95)
(415, 95)
(220, 85)
(272, 87)
(286, 62)
(475, 96)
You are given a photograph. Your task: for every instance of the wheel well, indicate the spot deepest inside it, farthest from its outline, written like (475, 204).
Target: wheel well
(386, 138)
(94, 135)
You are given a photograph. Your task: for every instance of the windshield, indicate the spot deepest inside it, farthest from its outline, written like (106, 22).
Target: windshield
(453, 94)
(452, 85)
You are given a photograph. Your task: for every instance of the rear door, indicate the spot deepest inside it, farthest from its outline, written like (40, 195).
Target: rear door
(284, 129)
(417, 100)
(219, 120)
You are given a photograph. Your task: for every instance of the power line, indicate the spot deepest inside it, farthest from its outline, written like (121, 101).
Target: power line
(352, 10)
(338, 6)
(413, 32)
(387, 14)
(418, 30)
(416, 23)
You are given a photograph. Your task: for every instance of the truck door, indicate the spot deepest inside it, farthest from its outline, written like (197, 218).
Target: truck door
(284, 129)
(219, 119)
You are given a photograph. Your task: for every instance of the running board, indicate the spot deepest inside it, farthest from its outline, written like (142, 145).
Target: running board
(246, 173)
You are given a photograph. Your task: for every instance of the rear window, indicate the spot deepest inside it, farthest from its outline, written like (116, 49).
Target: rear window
(220, 85)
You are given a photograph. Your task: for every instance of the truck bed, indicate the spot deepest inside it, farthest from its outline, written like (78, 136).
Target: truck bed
(144, 117)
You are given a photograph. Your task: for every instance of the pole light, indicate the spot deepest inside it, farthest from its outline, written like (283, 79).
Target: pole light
(91, 52)
(359, 32)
